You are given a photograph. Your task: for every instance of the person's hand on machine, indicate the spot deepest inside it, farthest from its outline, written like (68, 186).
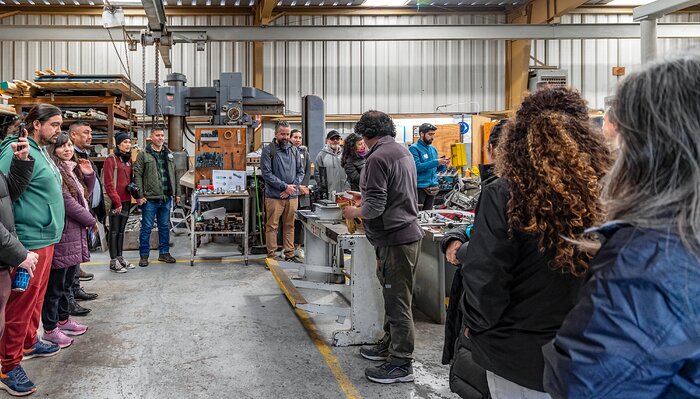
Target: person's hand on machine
(356, 197)
(177, 200)
(352, 212)
(444, 161)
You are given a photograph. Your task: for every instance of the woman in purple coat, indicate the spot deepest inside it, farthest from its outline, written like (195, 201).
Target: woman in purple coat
(78, 182)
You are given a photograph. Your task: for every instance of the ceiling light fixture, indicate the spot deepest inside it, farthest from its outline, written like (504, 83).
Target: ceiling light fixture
(384, 3)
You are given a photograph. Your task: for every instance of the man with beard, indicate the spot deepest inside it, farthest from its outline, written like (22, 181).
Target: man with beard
(328, 170)
(428, 165)
(39, 220)
(283, 172)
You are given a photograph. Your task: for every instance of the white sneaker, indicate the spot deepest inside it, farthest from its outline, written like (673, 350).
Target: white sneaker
(299, 252)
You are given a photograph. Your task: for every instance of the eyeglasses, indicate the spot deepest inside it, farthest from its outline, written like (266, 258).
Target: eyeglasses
(336, 138)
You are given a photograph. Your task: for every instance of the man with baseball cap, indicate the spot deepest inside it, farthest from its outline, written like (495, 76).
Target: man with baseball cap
(328, 171)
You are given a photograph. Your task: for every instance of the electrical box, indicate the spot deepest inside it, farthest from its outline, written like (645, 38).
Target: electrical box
(219, 148)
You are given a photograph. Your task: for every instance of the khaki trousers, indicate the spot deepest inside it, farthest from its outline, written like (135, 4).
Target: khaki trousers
(276, 209)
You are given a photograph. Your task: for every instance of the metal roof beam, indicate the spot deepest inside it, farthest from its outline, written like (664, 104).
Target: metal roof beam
(186, 34)
(659, 8)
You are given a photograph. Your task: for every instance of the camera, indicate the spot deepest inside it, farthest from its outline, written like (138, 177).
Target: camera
(132, 189)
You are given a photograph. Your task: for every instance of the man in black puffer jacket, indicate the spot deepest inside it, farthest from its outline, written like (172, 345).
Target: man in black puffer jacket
(12, 252)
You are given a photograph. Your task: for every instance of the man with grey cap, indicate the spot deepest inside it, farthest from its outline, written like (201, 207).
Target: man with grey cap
(328, 171)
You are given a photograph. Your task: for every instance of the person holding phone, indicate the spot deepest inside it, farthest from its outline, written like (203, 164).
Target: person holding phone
(428, 165)
(12, 252)
(39, 221)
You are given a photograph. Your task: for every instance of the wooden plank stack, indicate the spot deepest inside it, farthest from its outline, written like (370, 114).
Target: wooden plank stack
(49, 82)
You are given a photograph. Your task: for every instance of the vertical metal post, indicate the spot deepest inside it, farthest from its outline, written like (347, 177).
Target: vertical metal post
(648, 38)
(175, 123)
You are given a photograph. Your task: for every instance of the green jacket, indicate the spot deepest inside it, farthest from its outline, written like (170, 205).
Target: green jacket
(147, 176)
(39, 211)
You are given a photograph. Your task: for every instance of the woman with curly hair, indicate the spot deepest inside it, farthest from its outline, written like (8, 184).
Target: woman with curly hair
(521, 271)
(353, 159)
(635, 333)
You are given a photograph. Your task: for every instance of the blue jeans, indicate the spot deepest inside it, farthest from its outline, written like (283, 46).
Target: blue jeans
(151, 210)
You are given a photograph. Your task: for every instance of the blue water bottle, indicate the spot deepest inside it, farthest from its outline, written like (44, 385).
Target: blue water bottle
(21, 280)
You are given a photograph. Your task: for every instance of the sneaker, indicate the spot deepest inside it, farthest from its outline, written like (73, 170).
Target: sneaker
(387, 373)
(85, 276)
(125, 263)
(81, 295)
(294, 259)
(72, 327)
(167, 258)
(40, 349)
(56, 336)
(116, 266)
(379, 352)
(74, 309)
(299, 253)
(144, 261)
(16, 382)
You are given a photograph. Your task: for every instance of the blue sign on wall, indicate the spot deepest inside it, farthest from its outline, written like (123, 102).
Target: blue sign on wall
(463, 127)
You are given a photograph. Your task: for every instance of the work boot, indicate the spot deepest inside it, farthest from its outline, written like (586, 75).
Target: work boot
(74, 309)
(167, 258)
(144, 261)
(81, 295)
(116, 266)
(387, 373)
(85, 276)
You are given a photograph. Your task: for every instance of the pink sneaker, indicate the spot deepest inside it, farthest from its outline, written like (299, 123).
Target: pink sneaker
(71, 327)
(56, 336)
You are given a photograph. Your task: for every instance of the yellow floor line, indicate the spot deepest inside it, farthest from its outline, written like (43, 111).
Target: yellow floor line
(345, 384)
(178, 261)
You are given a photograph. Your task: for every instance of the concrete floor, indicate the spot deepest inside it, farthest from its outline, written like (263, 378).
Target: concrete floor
(215, 330)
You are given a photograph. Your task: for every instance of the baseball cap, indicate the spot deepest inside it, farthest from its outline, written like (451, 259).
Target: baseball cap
(426, 127)
(331, 134)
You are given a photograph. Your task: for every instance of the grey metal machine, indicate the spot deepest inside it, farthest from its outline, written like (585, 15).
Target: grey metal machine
(226, 102)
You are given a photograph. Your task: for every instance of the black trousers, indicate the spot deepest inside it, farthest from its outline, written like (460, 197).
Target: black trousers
(57, 297)
(425, 199)
(117, 225)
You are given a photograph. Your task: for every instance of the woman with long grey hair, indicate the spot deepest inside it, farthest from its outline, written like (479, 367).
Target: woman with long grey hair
(636, 331)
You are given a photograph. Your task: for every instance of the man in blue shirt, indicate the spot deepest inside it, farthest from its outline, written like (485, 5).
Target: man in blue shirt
(427, 165)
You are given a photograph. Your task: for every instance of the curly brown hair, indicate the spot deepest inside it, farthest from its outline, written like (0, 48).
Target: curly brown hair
(553, 159)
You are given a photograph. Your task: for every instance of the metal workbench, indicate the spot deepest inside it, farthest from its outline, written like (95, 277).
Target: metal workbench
(197, 199)
(331, 251)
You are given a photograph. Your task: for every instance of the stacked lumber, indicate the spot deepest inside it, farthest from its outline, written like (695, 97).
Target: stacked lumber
(68, 83)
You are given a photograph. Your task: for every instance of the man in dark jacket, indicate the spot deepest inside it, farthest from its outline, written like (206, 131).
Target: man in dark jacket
(81, 136)
(158, 188)
(389, 209)
(283, 172)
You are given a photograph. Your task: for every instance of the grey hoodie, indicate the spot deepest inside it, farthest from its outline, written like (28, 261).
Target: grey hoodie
(335, 173)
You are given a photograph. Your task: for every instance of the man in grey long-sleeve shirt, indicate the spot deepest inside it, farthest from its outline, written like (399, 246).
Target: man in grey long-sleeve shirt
(390, 216)
(283, 172)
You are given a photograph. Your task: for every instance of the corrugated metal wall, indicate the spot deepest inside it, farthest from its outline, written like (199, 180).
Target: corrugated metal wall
(590, 62)
(397, 77)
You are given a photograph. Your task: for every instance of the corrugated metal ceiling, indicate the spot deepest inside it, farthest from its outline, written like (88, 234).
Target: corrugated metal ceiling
(292, 3)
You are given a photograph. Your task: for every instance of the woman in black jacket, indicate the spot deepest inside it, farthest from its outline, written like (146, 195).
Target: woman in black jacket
(522, 272)
(467, 379)
(353, 159)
